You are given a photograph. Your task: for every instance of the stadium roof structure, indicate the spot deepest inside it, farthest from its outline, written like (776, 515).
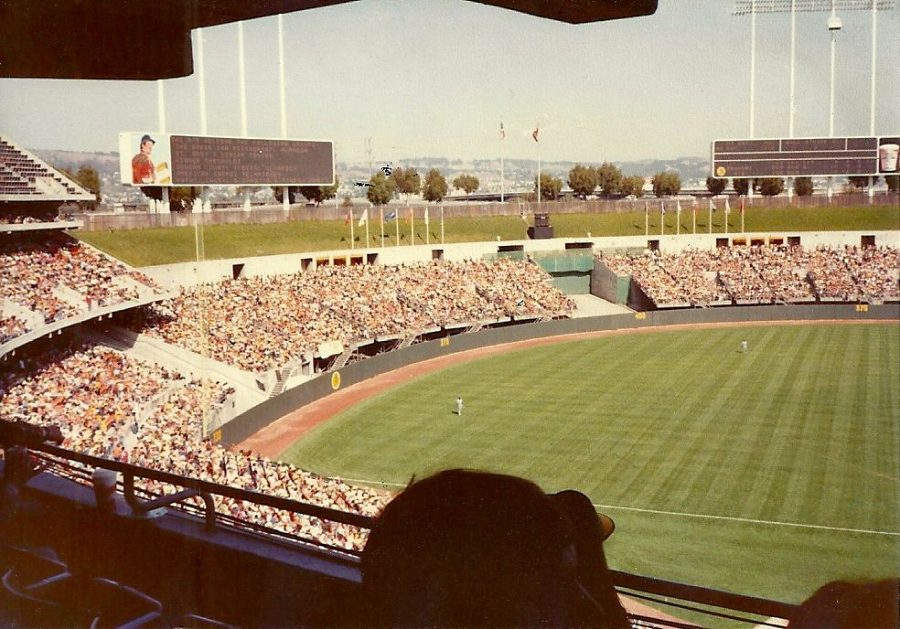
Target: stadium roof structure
(151, 39)
(25, 178)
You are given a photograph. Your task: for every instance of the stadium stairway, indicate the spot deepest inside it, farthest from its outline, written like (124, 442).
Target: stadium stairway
(247, 390)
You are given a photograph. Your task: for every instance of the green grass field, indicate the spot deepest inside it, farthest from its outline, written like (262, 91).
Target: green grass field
(766, 473)
(146, 247)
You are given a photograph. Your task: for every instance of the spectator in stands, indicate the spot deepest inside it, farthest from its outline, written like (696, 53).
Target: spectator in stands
(843, 605)
(472, 549)
(142, 169)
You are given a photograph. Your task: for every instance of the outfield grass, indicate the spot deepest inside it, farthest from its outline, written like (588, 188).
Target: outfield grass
(146, 247)
(703, 455)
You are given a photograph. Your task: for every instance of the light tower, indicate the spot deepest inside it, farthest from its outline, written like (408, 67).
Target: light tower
(752, 7)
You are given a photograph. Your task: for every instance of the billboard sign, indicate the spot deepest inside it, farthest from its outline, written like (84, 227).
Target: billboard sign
(805, 157)
(158, 159)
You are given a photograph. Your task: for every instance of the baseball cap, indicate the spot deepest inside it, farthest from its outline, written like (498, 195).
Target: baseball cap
(147, 138)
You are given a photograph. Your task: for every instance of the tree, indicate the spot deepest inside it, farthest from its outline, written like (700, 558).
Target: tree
(582, 180)
(550, 186)
(861, 183)
(609, 178)
(741, 186)
(467, 183)
(666, 184)
(715, 185)
(293, 191)
(770, 186)
(381, 189)
(803, 186)
(435, 186)
(632, 186)
(316, 194)
(181, 198)
(87, 178)
(893, 182)
(406, 181)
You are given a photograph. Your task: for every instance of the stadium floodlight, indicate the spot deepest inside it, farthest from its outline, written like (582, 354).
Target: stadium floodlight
(746, 7)
(753, 7)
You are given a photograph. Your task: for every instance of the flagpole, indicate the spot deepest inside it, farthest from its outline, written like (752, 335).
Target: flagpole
(694, 212)
(646, 219)
(442, 224)
(352, 243)
(727, 210)
(397, 227)
(381, 224)
(711, 206)
(662, 218)
(502, 137)
(367, 231)
(677, 217)
(742, 216)
(427, 235)
(412, 227)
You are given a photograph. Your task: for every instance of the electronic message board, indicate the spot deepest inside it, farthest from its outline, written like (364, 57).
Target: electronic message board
(805, 157)
(155, 159)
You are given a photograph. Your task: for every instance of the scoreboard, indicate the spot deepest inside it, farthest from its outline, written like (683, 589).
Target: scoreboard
(189, 160)
(804, 157)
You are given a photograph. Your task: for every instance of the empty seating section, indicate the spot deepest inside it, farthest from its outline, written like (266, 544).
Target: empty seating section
(40, 591)
(763, 275)
(54, 275)
(20, 172)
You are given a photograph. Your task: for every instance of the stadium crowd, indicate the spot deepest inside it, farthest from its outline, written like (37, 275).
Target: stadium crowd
(111, 405)
(58, 277)
(262, 323)
(763, 274)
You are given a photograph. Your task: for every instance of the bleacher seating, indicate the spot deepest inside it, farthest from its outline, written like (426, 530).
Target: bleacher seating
(24, 174)
(55, 277)
(763, 275)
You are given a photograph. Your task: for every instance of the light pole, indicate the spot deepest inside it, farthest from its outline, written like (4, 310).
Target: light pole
(752, 7)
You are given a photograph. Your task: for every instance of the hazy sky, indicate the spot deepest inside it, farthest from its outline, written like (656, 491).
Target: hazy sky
(436, 78)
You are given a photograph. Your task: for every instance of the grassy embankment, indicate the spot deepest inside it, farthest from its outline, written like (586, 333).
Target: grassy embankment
(147, 247)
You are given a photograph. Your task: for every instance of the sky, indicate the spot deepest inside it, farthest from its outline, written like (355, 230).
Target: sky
(437, 78)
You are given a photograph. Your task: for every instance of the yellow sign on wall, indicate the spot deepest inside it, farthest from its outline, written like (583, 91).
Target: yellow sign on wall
(336, 380)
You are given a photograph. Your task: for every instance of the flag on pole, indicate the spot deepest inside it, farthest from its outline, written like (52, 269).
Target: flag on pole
(426, 214)
(534, 134)
(662, 207)
(364, 218)
(390, 215)
(712, 206)
(742, 206)
(347, 219)
(727, 206)
(502, 132)
(678, 207)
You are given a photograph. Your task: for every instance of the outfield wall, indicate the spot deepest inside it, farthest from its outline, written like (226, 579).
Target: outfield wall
(257, 418)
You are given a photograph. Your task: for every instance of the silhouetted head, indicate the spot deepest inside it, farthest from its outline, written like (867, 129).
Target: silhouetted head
(844, 605)
(472, 549)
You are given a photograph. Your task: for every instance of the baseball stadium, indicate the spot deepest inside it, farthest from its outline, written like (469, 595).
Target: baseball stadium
(291, 416)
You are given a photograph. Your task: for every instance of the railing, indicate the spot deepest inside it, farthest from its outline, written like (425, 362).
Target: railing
(711, 603)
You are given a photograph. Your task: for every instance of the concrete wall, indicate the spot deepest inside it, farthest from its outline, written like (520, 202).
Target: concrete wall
(190, 273)
(261, 416)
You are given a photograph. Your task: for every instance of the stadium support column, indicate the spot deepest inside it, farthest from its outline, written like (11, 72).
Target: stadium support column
(162, 207)
(752, 74)
(872, 89)
(791, 109)
(285, 196)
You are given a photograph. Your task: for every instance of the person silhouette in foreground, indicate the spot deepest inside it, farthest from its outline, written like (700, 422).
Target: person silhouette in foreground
(845, 605)
(473, 549)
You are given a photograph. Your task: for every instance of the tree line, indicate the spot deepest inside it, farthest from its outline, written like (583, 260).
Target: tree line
(605, 181)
